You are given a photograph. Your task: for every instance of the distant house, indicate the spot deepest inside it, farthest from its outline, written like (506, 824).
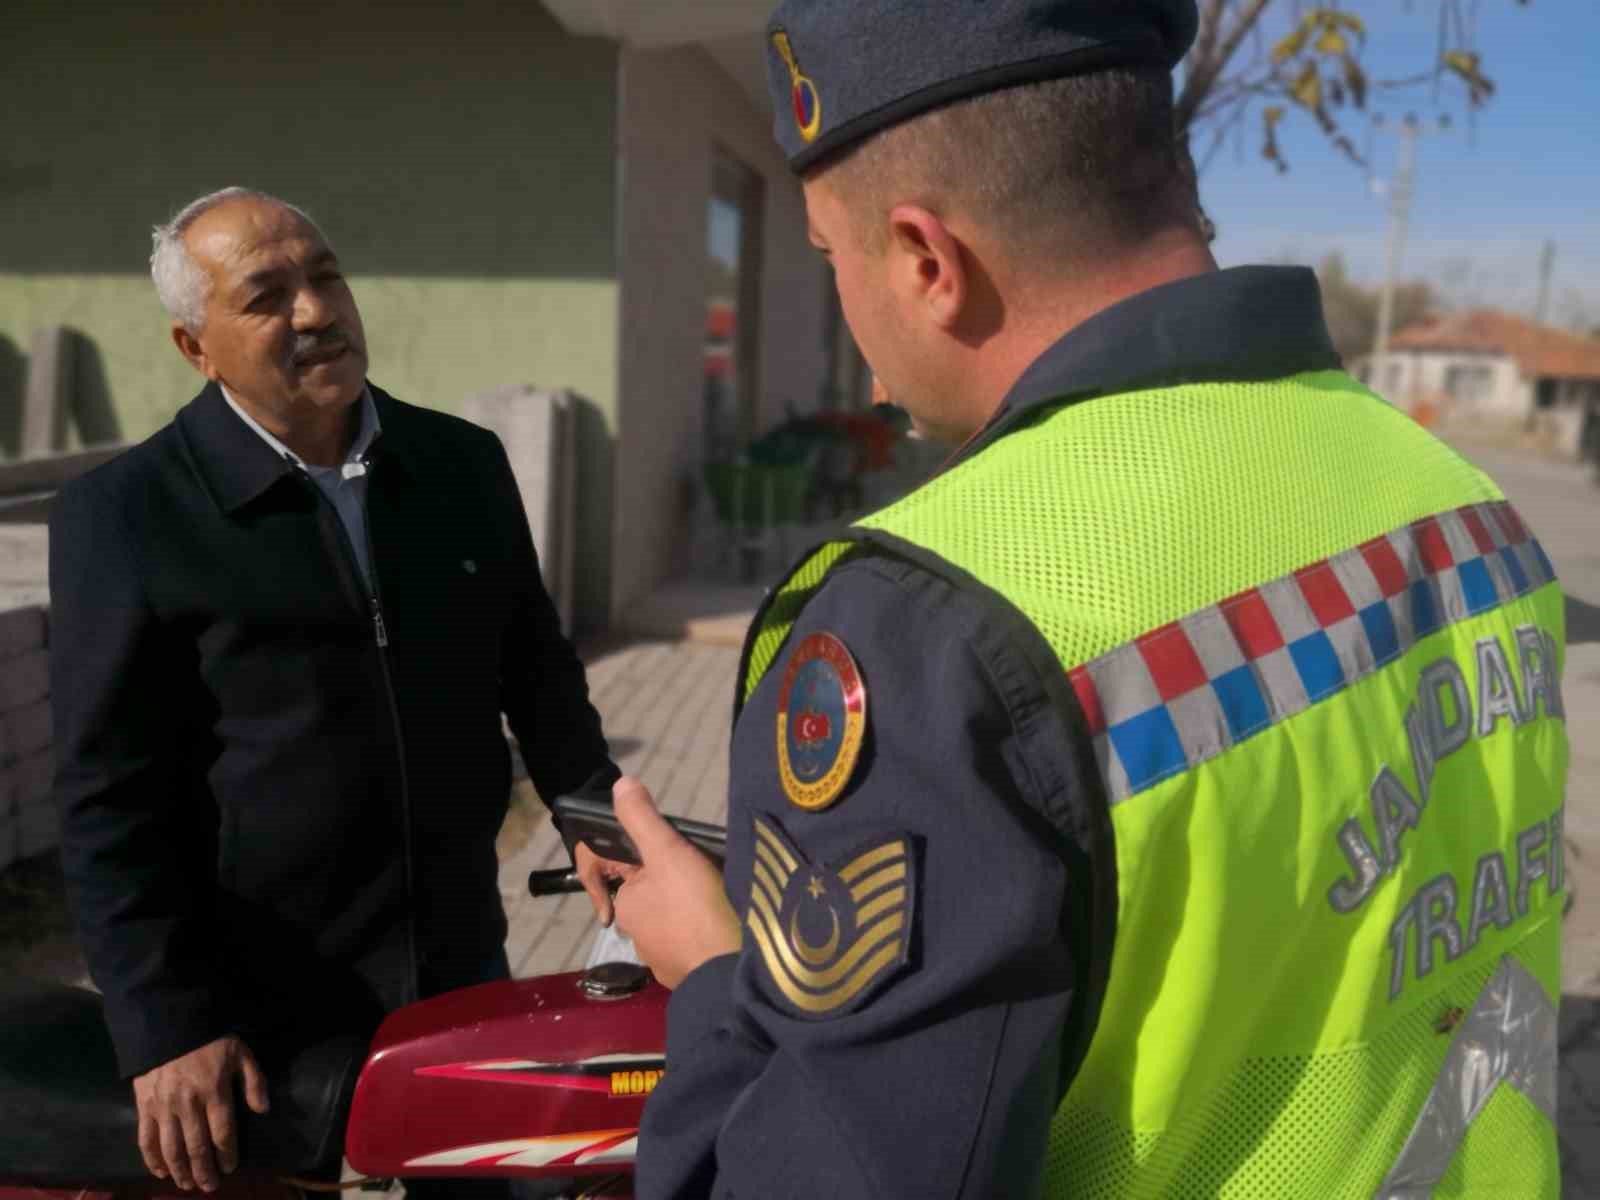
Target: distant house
(1491, 370)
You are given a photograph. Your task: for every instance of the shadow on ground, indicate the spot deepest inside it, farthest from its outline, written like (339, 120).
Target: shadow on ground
(1580, 1096)
(1583, 621)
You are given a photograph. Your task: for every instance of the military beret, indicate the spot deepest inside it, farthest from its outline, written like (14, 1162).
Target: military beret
(842, 70)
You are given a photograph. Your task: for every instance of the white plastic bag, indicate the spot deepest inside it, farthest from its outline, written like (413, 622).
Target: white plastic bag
(612, 945)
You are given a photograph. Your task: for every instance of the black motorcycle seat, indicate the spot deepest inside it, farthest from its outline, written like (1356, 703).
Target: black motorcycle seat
(68, 1119)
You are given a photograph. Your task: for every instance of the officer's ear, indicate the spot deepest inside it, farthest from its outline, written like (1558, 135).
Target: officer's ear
(928, 266)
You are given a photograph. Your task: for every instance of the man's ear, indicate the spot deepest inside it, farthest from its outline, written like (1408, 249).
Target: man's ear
(930, 263)
(189, 346)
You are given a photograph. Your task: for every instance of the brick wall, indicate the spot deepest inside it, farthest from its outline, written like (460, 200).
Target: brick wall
(27, 812)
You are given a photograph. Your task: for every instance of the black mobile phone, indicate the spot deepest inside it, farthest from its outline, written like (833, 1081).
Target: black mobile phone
(593, 822)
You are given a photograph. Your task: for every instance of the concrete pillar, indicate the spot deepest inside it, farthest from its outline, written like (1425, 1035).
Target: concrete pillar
(28, 823)
(48, 397)
(538, 429)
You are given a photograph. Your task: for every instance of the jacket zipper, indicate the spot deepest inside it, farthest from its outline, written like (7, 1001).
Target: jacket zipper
(380, 631)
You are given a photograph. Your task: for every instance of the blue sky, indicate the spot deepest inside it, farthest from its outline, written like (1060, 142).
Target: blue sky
(1488, 192)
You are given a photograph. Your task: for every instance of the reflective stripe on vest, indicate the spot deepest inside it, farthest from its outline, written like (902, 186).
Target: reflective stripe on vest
(1509, 1037)
(1184, 693)
(1321, 658)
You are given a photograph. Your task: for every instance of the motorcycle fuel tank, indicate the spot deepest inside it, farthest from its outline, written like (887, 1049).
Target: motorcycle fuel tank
(536, 1077)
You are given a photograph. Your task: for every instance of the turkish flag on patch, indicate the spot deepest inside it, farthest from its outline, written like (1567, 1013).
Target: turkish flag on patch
(811, 727)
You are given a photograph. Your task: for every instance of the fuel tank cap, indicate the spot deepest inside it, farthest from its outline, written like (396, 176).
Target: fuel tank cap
(613, 980)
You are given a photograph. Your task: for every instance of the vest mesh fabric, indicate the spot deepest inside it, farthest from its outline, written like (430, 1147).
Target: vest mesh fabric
(1266, 1132)
(1285, 462)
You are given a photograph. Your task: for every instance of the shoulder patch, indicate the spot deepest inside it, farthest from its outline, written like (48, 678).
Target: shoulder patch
(830, 934)
(822, 720)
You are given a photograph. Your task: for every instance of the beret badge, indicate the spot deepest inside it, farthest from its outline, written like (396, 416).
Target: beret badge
(807, 104)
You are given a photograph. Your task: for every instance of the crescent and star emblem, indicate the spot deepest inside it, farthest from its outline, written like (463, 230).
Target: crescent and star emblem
(829, 934)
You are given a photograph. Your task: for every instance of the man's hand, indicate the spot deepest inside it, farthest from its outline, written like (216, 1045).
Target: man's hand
(186, 1123)
(674, 906)
(596, 874)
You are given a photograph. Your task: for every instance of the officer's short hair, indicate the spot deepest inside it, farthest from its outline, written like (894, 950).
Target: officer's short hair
(1060, 169)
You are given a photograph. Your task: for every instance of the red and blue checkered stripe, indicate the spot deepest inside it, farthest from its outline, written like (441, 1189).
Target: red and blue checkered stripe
(1185, 693)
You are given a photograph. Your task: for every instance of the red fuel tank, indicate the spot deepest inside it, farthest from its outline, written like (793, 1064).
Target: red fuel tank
(536, 1077)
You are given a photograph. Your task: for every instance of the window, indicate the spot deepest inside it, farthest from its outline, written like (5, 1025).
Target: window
(733, 307)
(848, 385)
(1469, 384)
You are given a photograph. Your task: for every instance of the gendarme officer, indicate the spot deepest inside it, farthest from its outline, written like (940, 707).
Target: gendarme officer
(1166, 799)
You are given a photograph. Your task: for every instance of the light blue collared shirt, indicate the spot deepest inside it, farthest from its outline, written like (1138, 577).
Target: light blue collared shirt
(344, 485)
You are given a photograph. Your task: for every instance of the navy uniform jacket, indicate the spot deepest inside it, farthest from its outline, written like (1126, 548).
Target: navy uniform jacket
(940, 1079)
(276, 822)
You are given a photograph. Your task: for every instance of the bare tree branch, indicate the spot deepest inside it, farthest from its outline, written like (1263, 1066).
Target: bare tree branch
(1204, 75)
(1224, 127)
(1233, 90)
(1210, 23)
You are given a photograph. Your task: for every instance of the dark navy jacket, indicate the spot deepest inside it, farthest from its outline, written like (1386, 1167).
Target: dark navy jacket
(272, 824)
(941, 1080)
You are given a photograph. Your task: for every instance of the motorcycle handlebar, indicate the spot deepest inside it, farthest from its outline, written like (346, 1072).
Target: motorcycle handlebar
(558, 882)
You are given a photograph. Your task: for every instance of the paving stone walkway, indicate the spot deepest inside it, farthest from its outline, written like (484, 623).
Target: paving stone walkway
(666, 708)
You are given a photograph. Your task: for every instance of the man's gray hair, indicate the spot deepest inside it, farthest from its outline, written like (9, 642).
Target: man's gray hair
(182, 286)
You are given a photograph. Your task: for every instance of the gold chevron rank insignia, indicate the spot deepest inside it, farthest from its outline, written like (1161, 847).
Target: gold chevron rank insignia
(829, 935)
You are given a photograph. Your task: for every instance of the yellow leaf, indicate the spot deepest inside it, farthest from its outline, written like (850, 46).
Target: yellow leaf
(1351, 22)
(1269, 146)
(1332, 42)
(1355, 81)
(1465, 64)
(1307, 89)
(1291, 45)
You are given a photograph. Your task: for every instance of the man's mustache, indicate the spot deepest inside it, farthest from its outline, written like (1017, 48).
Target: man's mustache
(323, 341)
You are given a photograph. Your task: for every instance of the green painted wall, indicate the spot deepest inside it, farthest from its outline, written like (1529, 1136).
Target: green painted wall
(460, 157)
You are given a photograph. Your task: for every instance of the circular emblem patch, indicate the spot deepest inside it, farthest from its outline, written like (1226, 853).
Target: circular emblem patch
(822, 719)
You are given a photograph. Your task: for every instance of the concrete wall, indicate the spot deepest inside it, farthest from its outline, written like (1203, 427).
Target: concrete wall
(28, 823)
(462, 159)
(677, 107)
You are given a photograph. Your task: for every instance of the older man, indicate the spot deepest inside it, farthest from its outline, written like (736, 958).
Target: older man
(285, 630)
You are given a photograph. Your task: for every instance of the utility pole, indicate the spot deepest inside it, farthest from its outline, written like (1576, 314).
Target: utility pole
(1399, 216)
(1547, 262)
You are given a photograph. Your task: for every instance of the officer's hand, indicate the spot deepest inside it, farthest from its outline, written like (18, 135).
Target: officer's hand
(674, 906)
(597, 876)
(186, 1125)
